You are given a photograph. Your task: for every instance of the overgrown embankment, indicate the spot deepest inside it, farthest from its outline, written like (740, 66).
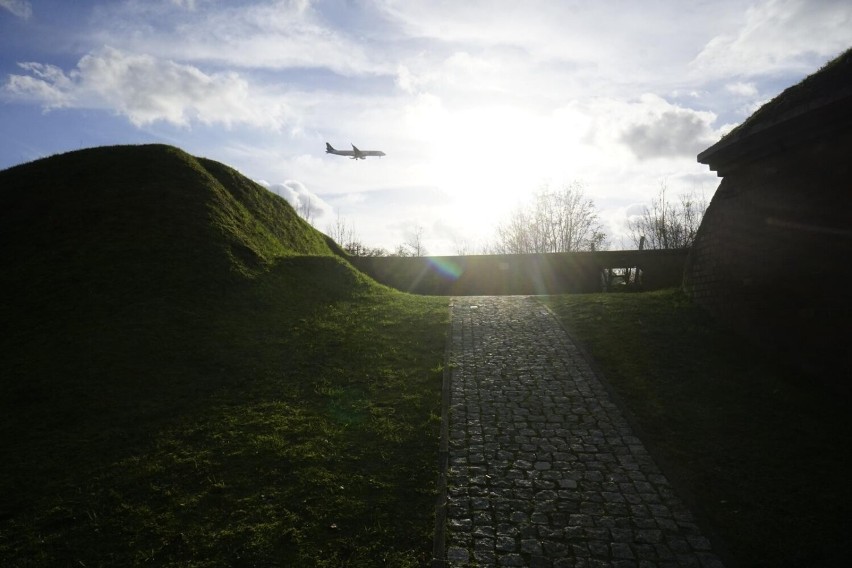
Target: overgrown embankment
(192, 376)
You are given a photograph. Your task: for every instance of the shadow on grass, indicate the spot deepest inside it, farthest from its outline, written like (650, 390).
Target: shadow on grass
(289, 419)
(761, 448)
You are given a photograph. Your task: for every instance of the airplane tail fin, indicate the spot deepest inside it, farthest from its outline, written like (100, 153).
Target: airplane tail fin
(328, 148)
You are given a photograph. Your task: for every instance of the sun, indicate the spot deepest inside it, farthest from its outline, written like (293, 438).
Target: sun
(489, 159)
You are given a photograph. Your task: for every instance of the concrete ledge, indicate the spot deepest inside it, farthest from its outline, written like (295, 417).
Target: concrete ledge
(527, 274)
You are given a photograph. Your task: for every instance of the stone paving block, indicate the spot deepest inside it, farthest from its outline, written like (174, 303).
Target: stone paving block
(538, 450)
(456, 554)
(709, 560)
(621, 550)
(506, 544)
(512, 560)
(483, 544)
(485, 558)
(688, 561)
(531, 546)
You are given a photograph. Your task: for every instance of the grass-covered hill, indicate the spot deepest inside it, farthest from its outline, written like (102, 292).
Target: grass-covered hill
(153, 212)
(192, 375)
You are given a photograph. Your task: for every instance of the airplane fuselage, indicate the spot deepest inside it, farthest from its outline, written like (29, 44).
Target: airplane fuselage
(354, 153)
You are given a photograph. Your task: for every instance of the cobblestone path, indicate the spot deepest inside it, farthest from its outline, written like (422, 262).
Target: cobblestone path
(543, 468)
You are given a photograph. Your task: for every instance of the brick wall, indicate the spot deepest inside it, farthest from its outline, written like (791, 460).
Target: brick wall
(773, 256)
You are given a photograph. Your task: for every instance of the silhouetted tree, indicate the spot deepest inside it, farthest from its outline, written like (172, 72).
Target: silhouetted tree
(344, 235)
(555, 221)
(341, 232)
(413, 246)
(402, 250)
(667, 225)
(356, 248)
(305, 209)
(462, 247)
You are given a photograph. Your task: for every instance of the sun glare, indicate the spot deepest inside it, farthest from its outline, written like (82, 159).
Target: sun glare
(491, 158)
(476, 159)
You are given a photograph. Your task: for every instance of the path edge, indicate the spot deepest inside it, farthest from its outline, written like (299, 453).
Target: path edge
(718, 545)
(439, 544)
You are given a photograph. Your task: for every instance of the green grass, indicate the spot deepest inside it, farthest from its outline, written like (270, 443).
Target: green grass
(192, 377)
(762, 449)
(832, 77)
(295, 428)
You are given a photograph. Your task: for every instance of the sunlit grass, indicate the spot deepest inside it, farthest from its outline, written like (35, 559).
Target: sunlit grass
(761, 448)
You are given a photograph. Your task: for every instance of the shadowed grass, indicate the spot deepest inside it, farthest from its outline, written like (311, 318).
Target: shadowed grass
(294, 428)
(763, 450)
(191, 377)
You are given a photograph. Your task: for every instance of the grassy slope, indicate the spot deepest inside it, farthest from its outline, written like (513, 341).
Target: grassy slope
(764, 452)
(191, 376)
(830, 78)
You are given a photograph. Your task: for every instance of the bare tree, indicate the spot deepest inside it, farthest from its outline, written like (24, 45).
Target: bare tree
(668, 225)
(344, 235)
(462, 247)
(402, 250)
(413, 245)
(341, 232)
(555, 221)
(357, 248)
(305, 208)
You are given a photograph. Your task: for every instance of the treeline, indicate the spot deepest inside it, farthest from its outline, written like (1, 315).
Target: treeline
(560, 220)
(668, 224)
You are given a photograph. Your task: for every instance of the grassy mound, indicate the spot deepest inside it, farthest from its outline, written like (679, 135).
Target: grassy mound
(192, 376)
(162, 218)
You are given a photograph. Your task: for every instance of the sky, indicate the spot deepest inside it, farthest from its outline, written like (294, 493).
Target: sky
(477, 104)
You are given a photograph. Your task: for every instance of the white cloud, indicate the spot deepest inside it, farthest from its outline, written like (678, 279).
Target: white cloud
(491, 98)
(602, 132)
(270, 35)
(405, 79)
(752, 107)
(147, 90)
(596, 42)
(187, 4)
(742, 89)
(661, 129)
(543, 30)
(303, 200)
(778, 36)
(613, 48)
(19, 8)
(46, 84)
(635, 210)
(727, 127)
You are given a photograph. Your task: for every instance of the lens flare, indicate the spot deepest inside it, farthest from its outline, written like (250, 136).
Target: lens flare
(447, 267)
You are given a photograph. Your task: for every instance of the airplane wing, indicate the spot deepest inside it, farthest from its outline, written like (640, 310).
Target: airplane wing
(361, 154)
(354, 153)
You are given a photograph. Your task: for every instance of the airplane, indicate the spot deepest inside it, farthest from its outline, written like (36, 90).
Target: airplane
(354, 153)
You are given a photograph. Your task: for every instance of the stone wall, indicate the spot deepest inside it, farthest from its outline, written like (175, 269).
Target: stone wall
(553, 273)
(773, 256)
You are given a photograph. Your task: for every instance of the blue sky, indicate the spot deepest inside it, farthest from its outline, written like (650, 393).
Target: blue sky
(477, 104)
